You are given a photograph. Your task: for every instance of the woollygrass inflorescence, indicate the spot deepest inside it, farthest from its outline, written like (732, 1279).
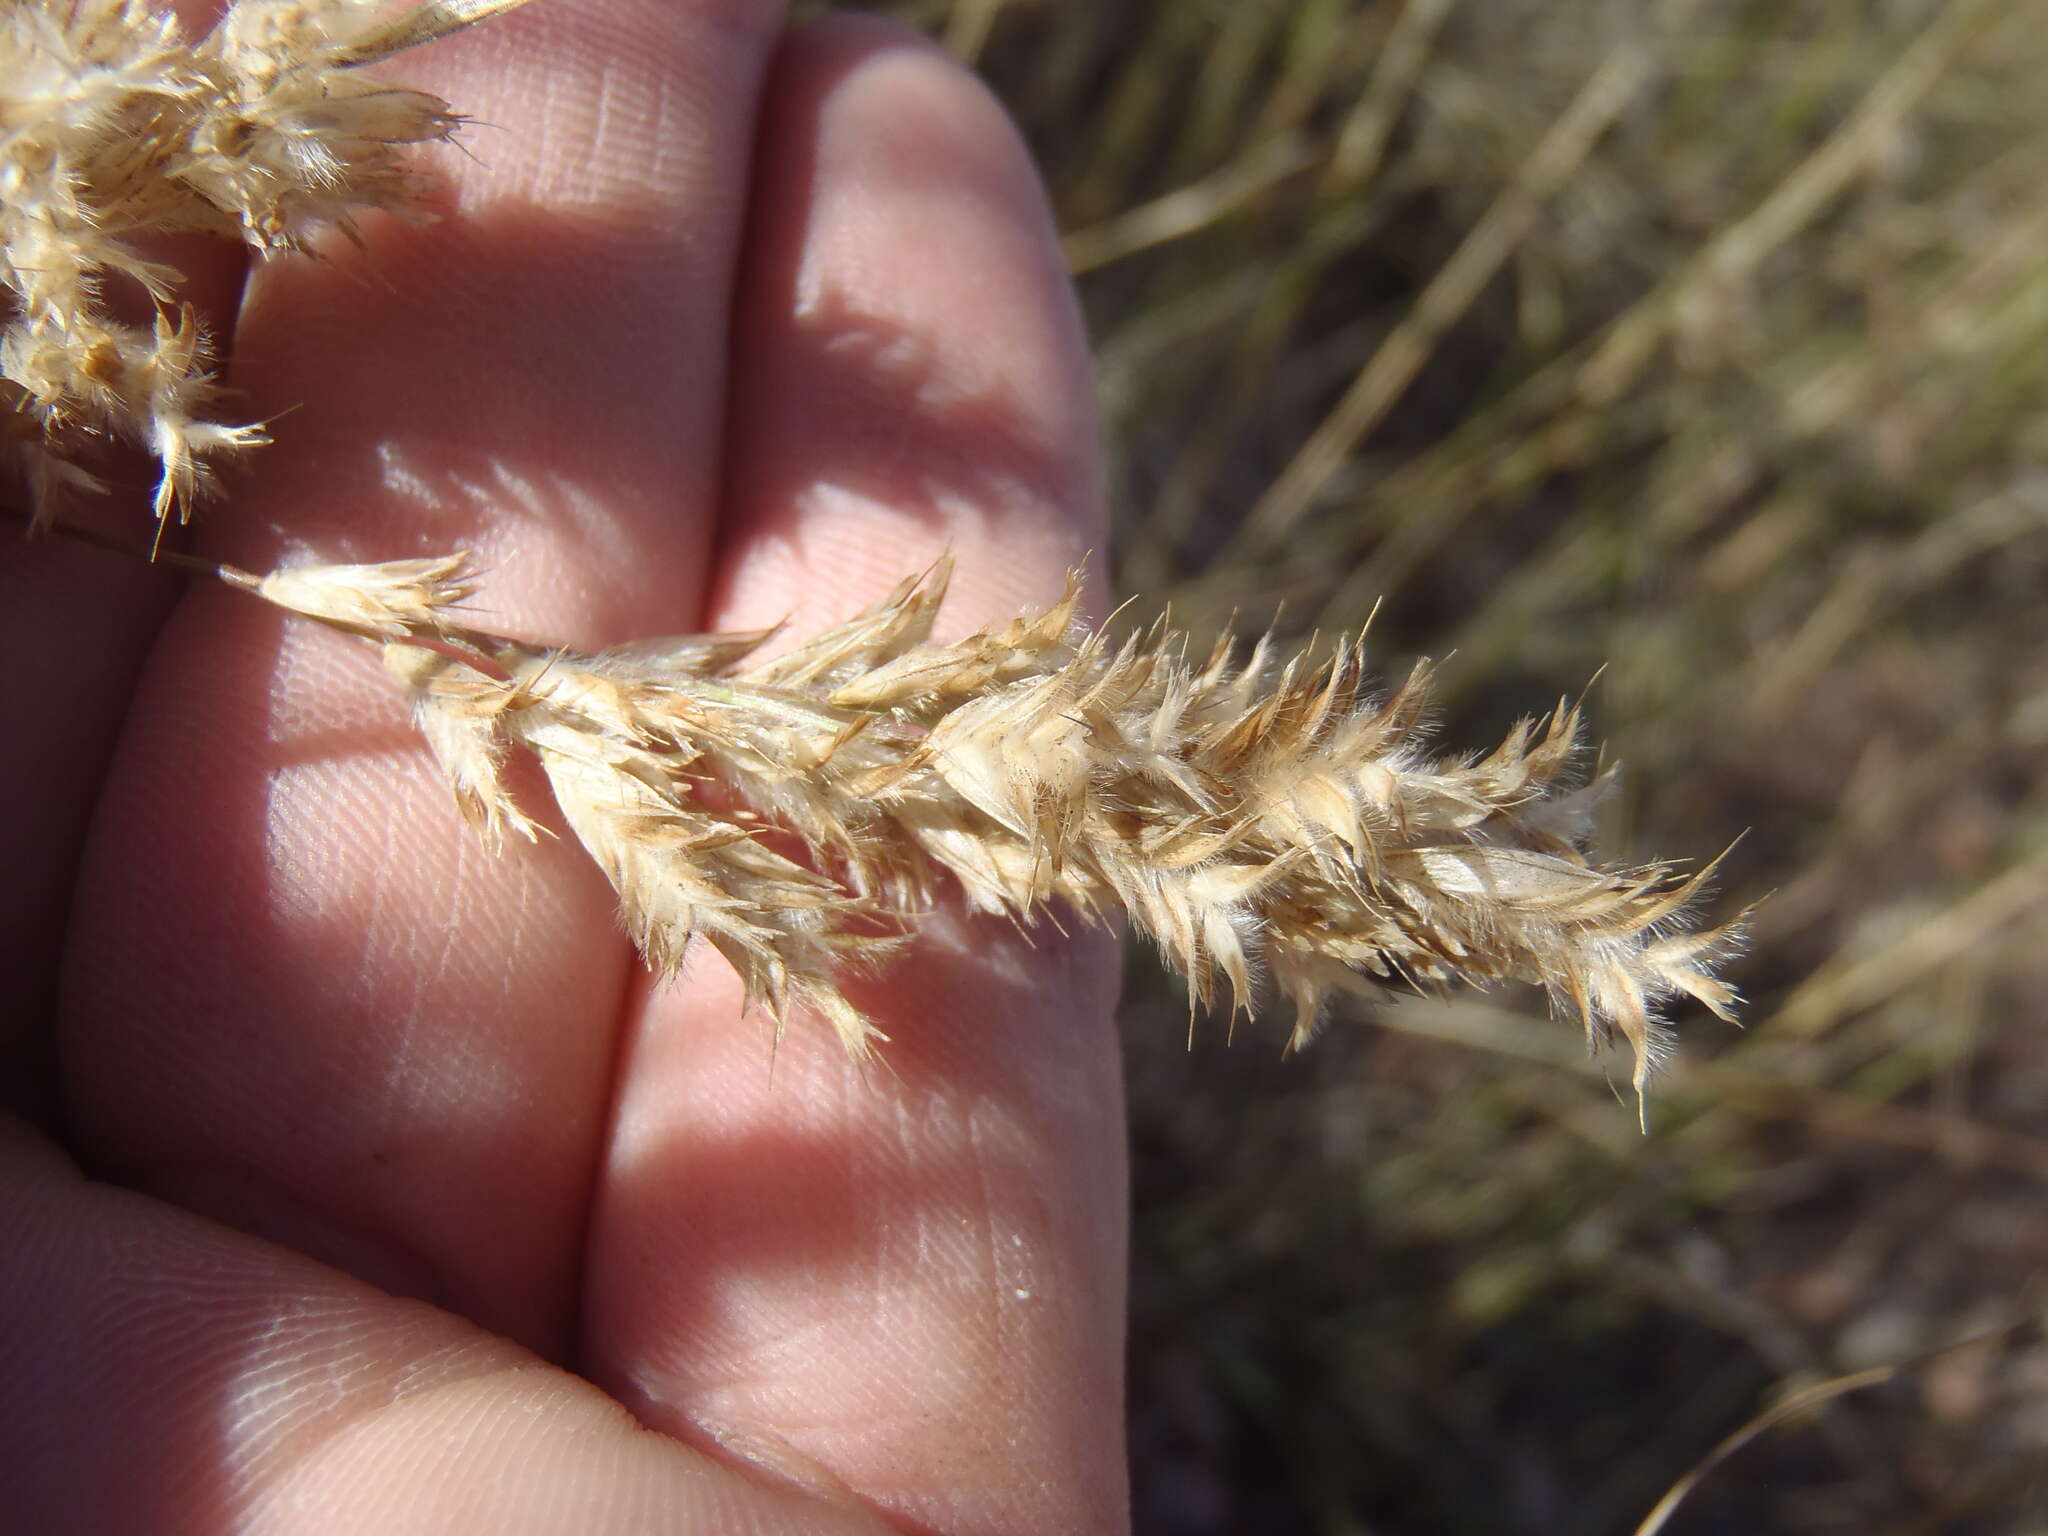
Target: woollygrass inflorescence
(1250, 816)
(1255, 818)
(115, 126)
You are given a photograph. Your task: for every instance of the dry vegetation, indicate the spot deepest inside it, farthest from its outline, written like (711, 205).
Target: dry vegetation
(1699, 341)
(1253, 820)
(1703, 342)
(120, 127)
(1251, 816)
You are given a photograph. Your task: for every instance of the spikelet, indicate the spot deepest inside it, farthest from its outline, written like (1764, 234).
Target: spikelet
(1256, 820)
(115, 126)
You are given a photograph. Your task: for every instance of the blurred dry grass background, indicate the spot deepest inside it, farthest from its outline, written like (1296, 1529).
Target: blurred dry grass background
(1705, 341)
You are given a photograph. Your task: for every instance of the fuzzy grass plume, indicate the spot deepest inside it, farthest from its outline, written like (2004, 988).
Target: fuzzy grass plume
(1257, 819)
(115, 127)
(1251, 816)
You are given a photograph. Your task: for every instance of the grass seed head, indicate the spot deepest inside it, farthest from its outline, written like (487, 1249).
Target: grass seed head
(116, 125)
(1270, 821)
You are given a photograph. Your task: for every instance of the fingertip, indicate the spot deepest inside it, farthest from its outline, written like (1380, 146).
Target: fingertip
(911, 371)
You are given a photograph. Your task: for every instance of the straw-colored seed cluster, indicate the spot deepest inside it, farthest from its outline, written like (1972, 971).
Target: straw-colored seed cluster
(802, 811)
(114, 127)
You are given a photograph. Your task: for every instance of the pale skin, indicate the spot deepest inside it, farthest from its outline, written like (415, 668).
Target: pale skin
(409, 1202)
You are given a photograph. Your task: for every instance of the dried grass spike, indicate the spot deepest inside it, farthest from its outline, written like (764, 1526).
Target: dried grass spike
(1256, 818)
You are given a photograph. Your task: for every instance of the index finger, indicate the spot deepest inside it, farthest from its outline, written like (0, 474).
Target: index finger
(302, 999)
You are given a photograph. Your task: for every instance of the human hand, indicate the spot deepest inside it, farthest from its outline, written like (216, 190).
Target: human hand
(332, 1060)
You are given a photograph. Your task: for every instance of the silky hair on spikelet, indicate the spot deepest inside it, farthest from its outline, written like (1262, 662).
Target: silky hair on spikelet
(1252, 817)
